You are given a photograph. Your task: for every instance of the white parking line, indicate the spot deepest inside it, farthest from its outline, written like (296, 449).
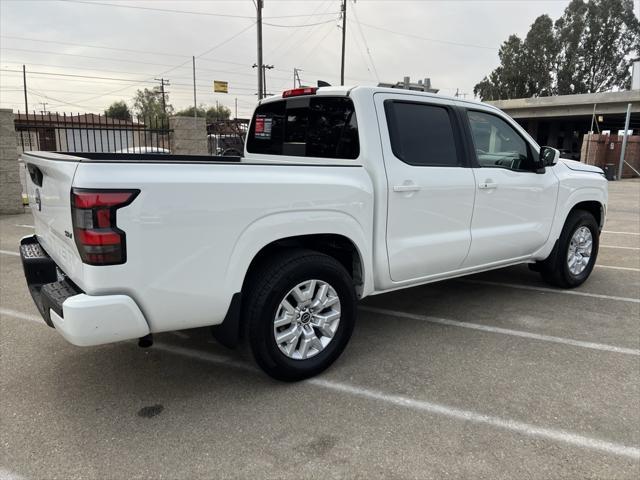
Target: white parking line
(432, 408)
(503, 331)
(621, 248)
(621, 233)
(7, 475)
(22, 316)
(551, 290)
(619, 268)
(410, 403)
(25, 226)
(7, 252)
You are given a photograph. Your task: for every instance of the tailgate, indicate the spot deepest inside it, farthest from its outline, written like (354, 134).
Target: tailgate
(49, 180)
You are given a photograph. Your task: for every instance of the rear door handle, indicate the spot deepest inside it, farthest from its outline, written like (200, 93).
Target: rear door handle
(487, 185)
(411, 187)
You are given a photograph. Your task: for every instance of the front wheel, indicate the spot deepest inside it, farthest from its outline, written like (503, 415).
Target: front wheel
(575, 255)
(300, 313)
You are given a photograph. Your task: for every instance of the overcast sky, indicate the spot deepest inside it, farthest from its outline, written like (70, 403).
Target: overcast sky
(454, 42)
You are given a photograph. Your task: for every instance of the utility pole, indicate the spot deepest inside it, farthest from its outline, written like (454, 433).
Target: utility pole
(296, 76)
(195, 103)
(163, 82)
(259, 5)
(44, 108)
(236, 108)
(344, 37)
(263, 79)
(24, 83)
(593, 116)
(624, 141)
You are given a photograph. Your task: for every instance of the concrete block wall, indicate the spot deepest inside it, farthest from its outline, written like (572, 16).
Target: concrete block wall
(10, 186)
(189, 136)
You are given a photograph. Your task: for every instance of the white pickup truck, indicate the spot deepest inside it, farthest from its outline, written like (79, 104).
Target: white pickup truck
(342, 193)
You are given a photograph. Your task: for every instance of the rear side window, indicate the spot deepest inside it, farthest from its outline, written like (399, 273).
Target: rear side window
(422, 135)
(323, 127)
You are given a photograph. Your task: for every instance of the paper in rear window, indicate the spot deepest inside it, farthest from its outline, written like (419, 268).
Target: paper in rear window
(263, 127)
(321, 127)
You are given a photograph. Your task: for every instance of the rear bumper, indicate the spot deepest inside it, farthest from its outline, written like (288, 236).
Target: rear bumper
(81, 319)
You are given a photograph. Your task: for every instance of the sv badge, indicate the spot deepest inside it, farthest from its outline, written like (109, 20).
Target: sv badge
(38, 200)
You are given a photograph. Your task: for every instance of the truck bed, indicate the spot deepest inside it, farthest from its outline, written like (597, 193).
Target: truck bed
(195, 225)
(99, 157)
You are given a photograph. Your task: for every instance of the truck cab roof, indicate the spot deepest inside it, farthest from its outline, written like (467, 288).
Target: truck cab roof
(348, 90)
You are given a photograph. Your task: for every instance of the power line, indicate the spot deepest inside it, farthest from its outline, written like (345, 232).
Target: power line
(35, 92)
(295, 32)
(73, 44)
(298, 26)
(366, 45)
(303, 40)
(233, 89)
(102, 47)
(92, 69)
(84, 106)
(178, 66)
(170, 10)
(69, 75)
(435, 40)
(363, 57)
(218, 45)
(117, 60)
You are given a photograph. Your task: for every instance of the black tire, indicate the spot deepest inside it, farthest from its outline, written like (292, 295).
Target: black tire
(554, 269)
(270, 282)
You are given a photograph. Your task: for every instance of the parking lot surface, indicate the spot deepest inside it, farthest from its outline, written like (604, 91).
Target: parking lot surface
(491, 376)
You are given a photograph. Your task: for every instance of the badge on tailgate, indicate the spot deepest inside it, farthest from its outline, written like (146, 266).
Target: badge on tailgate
(38, 200)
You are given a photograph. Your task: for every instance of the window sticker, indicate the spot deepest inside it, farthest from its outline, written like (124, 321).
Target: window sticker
(263, 127)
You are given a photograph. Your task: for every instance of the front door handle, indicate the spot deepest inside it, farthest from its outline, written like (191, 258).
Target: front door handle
(410, 187)
(488, 185)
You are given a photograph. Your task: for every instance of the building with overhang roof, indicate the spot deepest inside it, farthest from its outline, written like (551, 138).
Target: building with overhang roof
(562, 121)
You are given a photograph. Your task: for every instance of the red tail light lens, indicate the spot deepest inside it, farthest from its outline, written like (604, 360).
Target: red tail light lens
(99, 240)
(297, 92)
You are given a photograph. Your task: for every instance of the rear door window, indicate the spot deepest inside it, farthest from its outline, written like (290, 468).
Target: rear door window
(324, 127)
(422, 135)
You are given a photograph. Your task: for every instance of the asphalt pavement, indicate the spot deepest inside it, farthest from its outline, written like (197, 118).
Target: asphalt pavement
(491, 376)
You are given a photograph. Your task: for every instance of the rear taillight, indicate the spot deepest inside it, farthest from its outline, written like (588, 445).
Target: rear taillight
(99, 240)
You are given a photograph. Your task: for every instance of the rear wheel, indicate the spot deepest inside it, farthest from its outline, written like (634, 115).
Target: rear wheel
(300, 314)
(574, 257)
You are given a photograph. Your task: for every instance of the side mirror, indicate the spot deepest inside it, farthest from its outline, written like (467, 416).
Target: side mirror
(549, 156)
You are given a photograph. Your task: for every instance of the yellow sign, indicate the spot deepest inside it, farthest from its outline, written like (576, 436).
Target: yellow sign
(220, 87)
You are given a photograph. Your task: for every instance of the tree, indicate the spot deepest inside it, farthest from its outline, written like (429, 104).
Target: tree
(219, 112)
(212, 114)
(541, 53)
(596, 40)
(512, 78)
(586, 50)
(118, 110)
(188, 112)
(148, 104)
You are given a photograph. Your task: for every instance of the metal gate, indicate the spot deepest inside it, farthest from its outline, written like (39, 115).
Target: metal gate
(77, 133)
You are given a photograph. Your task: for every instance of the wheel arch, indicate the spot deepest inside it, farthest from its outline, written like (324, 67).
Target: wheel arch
(594, 207)
(338, 246)
(334, 233)
(591, 199)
